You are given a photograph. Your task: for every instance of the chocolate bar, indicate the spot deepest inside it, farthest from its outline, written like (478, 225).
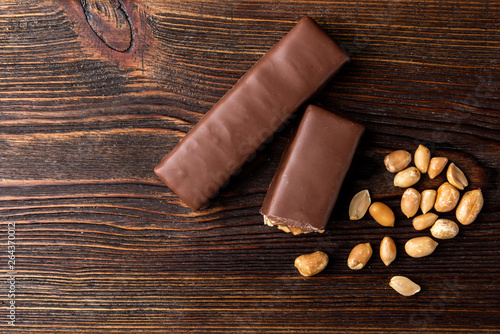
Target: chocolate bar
(248, 115)
(304, 189)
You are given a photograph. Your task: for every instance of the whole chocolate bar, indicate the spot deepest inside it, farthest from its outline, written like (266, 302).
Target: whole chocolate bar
(247, 116)
(306, 184)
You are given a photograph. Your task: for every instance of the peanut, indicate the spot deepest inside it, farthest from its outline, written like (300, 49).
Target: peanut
(446, 198)
(436, 166)
(424, 221)
(444, 229)
(396, 161)
(406, 178)
(359, 256)
(388, 250)
(311, 264)
(404, 285)
(420, 246)
(422, 158)
(359, 205)
(469, 207)
(428, 200)
(382, 214)
(456, 177)
(410, 202)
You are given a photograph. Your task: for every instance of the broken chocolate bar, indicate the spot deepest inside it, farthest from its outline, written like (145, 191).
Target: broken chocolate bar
(248, 115)
(304, 189)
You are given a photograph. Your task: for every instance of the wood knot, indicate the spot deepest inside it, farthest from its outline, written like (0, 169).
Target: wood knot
(110, 22)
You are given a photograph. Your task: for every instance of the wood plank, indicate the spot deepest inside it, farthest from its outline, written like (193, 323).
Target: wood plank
(103, 246)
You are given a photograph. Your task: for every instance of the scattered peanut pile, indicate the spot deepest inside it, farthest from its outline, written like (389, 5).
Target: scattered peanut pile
(445, 199)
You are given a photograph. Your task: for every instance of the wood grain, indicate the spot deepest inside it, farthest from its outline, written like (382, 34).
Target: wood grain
(103, 246)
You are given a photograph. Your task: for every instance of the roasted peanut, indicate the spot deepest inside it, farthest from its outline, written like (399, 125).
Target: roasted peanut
(424, 221)
(406, 178)
(388, 250)
(359, 205)
(456, 177)
(428, 200)
(410, 202)
(359, 256)
(311, 264)
(436, 166)
(469, 207)
(444, 229)
(404, 285)
(396, 161)
(420, 246)
(446, 198)
(382, 214)
(422, 158)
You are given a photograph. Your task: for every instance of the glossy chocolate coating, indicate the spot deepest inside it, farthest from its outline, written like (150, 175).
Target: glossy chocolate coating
(248, 115)
(306, 184)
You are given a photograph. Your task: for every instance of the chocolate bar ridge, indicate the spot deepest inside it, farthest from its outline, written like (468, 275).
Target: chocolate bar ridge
(292, 71)
(313, 166)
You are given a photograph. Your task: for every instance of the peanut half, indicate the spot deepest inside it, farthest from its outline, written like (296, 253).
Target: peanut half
(388, 250)
(359, 205)
(359, 256)
(420, 246)
(444, 229)
(422, 158)
(396, 161)
(424, 221)
(436, 166)
(428, 200)
(404, 285)
(382, 214)
(446, 198)
(456, 177)
(410, 202)
(406, 178)
(469, 207)
(311, 264)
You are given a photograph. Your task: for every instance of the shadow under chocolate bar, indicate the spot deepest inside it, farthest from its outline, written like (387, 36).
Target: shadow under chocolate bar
(313, 166)
(289, 74)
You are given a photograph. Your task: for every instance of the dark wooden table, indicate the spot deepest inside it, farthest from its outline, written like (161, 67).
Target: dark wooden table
(92, 97)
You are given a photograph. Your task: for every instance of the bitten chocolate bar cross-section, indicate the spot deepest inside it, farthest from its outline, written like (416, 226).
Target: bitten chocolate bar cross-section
(263, 99)
(306, 184)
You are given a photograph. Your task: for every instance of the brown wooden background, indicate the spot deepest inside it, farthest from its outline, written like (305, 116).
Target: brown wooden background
(103, 246)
